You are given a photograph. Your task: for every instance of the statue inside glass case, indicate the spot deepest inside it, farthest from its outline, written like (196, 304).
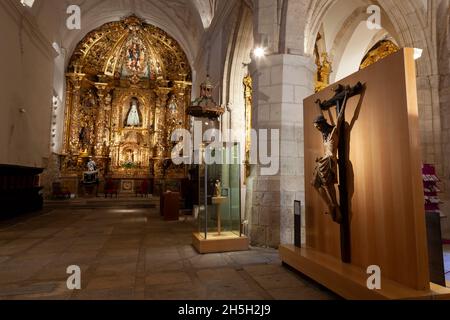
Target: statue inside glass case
(218, 189)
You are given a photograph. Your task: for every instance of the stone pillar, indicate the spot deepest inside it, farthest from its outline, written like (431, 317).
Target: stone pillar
(101, 117)
(76, 79)
(281, 82)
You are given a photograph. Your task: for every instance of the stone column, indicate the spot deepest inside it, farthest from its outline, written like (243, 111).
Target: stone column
(76, 80)
(101, 116)
(281, 82)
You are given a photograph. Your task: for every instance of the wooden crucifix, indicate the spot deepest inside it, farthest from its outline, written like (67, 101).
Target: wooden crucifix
(331, 169)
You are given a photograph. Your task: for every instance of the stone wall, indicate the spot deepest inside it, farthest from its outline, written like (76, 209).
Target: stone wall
(283, 82)
(443, 29)
(51, 174)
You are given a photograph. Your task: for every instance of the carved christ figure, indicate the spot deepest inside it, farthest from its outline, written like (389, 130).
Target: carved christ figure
(326, 173)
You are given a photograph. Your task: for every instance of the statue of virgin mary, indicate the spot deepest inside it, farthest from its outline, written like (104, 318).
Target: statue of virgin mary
(133, 118)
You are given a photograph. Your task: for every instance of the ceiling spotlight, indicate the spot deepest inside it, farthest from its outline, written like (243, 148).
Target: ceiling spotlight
(259, 52)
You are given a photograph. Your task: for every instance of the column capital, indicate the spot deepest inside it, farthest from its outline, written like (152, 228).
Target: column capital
(101, 88)
(163, 93)
(76, 79)
(181, 86)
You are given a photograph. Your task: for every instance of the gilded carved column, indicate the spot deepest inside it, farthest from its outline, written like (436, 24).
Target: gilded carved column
(67, 113)
(181, 89)
(101, 117)
(248, 94)
(76, 80)
(160, 129)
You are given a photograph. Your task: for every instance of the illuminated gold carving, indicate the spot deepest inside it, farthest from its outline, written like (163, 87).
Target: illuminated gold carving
(380, 51)
(122, 68)
(324, 70)
(110, 50)
(248, 92)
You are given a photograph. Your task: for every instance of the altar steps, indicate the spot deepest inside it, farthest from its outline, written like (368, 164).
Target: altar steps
(94, 203)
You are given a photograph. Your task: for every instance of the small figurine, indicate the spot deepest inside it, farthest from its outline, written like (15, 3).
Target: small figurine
(217, 189)
(92, 166)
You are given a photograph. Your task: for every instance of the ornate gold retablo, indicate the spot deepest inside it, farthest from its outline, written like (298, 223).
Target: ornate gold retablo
(128, 88)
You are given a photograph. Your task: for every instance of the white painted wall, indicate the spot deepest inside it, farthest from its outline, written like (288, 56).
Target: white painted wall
(27, 74)
(354, 51)
(335, 18)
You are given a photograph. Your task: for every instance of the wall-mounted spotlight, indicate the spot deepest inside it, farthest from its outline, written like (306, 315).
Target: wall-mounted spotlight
(27, 3)
(57, 48)
(417, 53)
(259, 52)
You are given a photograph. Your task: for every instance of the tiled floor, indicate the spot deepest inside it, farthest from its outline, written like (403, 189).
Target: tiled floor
(132, 254)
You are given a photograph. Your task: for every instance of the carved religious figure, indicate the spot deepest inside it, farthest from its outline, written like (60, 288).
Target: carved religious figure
(84, 138)
(326, 174)
(92, 166)
(217, 189)
(89, 100)
(324, 69)
(133, 118)
(134, 57)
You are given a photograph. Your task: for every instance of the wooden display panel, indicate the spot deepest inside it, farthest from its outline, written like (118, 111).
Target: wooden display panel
(384, 175)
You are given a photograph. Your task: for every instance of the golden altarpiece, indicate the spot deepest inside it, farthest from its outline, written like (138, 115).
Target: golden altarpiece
(128, 88)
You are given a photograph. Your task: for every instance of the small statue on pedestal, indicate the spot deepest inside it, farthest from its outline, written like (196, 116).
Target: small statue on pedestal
(92, 166)
(217, 189)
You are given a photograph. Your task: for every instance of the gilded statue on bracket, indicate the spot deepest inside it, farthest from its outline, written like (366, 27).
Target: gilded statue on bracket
(324, 71)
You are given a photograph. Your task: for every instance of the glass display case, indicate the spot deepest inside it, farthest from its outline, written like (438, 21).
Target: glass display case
(219, 216)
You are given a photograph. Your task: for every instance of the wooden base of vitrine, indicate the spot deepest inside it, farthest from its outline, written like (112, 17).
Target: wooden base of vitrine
(350, 282)
(226, 242)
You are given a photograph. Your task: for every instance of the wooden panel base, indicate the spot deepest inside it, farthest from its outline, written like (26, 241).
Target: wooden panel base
(227, 242)
(350, 282)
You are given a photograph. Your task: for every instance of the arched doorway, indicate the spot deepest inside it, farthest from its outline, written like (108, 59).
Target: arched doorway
(121, 80)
